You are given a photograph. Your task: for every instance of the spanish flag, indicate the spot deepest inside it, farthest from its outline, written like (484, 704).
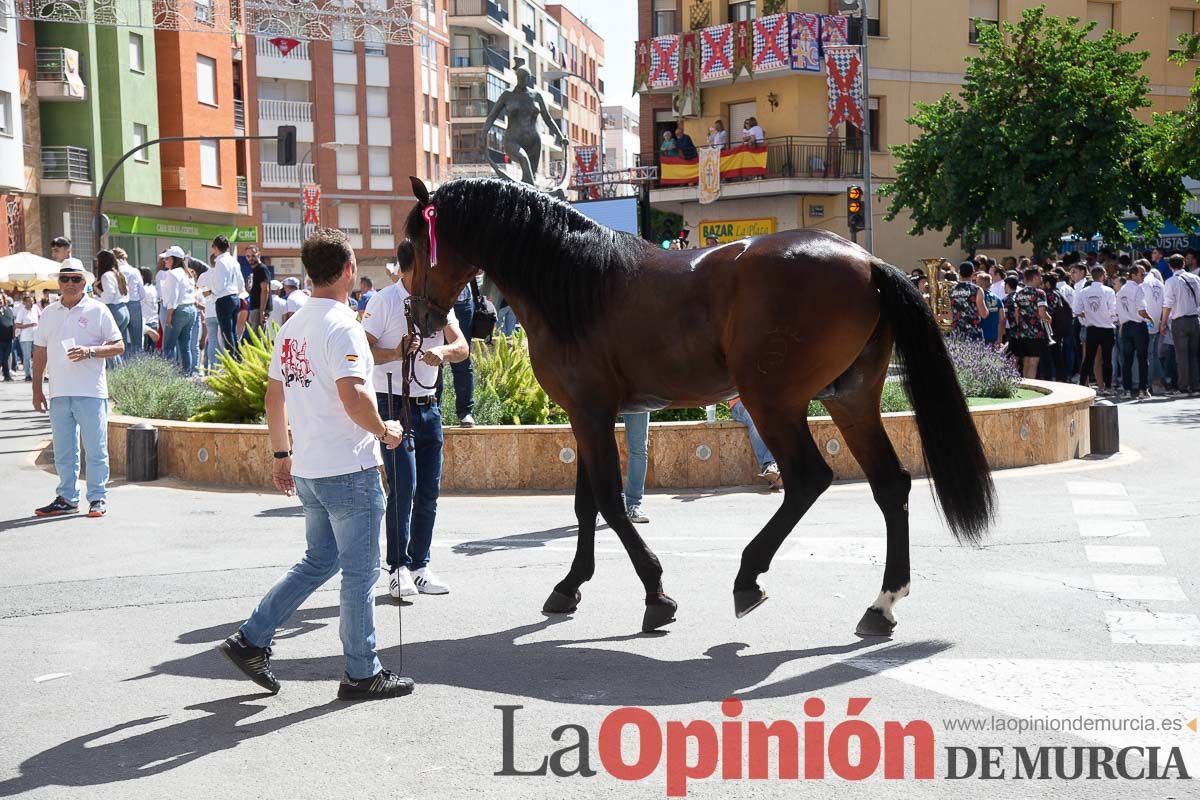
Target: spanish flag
(743, 161)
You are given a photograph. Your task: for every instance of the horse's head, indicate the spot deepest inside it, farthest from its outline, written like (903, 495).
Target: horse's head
(432, 266)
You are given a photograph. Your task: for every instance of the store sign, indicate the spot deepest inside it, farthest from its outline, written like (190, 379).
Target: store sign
(730, 230)
(121, 224)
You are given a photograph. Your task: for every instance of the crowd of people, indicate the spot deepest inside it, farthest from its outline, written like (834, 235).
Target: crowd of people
(1126, 325)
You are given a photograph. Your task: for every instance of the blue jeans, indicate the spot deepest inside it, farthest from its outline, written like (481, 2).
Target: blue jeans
(414, 483)
(5, 357)
(133, 333)
(506, 320)
(463, 372)
(227, 312)
(179, 336)
(120, 313)
(762, 456)
(1158, 369)
(214, 344)
(70, 418)
(17, 353)
(637, 441)
(341, 526)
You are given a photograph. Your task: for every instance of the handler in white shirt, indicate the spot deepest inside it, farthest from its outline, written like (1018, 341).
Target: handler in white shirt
(1096, 308)
(1135, 339)
(1181, 307)
(1152, 303)
(229, 286)
(25, 320)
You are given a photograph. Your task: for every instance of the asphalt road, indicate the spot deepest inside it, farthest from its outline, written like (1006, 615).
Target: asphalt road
(1082, 605)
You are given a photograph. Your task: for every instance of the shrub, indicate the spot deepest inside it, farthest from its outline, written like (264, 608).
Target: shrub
(239, 389)
(982, 370)
(504, 374)
(152, 387)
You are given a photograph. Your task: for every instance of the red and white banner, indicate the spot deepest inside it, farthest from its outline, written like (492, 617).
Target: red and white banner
(312, 203)
(587, 169)
(284, 44)
(843, 68)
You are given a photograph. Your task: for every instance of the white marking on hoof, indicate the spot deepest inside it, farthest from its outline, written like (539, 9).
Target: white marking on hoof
(887, 600)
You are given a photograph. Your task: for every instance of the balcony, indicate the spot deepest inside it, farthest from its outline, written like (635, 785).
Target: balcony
(479, 8)
(465, 58)
(243, 194)
(288, 111)
(66, 172)
(475, 108)
(530, 35)
(272, 62)
(264, 49)
(58, 77)
(557, 95)
(272, 174)
(239, 116)
(287, 235)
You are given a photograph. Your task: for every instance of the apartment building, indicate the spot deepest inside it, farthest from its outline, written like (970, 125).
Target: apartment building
(581, 54)
(917, 50)
(17, 184)
(622, 142)
(368, 114)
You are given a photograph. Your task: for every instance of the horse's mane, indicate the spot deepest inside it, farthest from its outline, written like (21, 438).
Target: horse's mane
(535, 247)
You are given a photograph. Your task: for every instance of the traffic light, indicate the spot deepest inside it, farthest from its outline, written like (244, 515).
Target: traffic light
(856, 217)
(285, 152)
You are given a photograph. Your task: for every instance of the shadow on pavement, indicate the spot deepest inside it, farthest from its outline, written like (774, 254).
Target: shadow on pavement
(86, 761)
(518, 541)
(30, 521)
(283, 511)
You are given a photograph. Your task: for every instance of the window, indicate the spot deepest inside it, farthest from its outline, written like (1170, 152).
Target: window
(379, 161)
(140, 137)
(206, 80)
(874, 28)
(347, 161)
(348, 219)
(377, 101)
(1182, 23)
(4, 12)
(374, 43)
(742, 10)
(6, 114)
(994, 239)
(854, 135)
(527, 16)
(1102, 15)
(987, 12)
(345, 99)
(381, 220)
(210, 162)
(343, 37)
(204, 12)
(137, 52)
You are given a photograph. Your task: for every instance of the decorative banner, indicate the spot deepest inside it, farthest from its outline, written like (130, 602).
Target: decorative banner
(664, 62)
(835, 31)
(641, 66)
(730, 230)
(716, 52)
(689, 75)
(771, 43)
(710, 174)
(284, 44)
(587, 164)
(743, 161)
(806, 42)
(844, 76)
(312, 203)
(743, 49)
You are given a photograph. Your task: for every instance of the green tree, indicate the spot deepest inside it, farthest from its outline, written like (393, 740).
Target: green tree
(1177, 134)
(1044, 134)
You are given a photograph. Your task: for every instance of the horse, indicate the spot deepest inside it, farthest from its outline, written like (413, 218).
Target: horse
(616, 325)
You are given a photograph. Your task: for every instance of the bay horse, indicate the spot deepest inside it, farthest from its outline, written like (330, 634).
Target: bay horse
(616, 324)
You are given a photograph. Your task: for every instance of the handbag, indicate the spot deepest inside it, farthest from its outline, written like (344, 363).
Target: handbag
(483, 324)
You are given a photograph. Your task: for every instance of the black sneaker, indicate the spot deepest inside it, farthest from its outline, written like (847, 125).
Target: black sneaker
(254, 661)
(56, 509)
(97, 508)
(379, 687)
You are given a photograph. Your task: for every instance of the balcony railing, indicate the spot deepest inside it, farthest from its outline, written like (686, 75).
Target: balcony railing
(56, 63)
(66, 164)
(462, 109)
(478, 8)
(285, 234)
(285, 110)
(806, 157)
(243, 191)
(274, 175)
(530, 36)
(264, 49)
(381, 230)
(555, 93)
(479, 57)
(239, 115)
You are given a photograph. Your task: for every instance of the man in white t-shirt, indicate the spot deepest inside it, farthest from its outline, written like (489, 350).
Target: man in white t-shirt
(1096, 308)
(26, 321)
(229, 287)
(294, 297)
(320, 388)
(73, 338)
(414, 478)
(208, 286)
(1181, 308)
(278, 306)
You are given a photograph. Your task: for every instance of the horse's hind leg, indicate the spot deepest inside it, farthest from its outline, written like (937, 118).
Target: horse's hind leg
(805, 476)
(566, 596)
(598, 451)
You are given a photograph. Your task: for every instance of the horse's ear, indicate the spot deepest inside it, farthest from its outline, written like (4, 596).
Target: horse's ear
(420, 191)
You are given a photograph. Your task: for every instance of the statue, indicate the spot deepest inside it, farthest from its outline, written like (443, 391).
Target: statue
(522, 106)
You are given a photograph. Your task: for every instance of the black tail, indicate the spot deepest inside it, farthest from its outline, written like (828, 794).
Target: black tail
(953, 453)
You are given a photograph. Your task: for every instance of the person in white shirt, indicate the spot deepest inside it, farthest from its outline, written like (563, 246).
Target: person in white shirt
(1152, 304)
(1181, 307)
(1096, 308)
(133, 306)
(752, 134)
(294, 297)
(179, 301)
(1135, 339)
(72, 340)
(320, 388)
(60, 251)
(114, 291)
(279, 305)
(25, 323)
(413, 478)
(227, 294)
(207, 286)
(150, 310)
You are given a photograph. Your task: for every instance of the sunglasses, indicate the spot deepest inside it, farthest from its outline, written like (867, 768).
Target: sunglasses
(70, 279)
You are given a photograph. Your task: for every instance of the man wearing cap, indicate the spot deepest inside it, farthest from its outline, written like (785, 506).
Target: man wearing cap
(229, 285)
(74, 337)
(278, 304)
(60, 251)
(295, 297)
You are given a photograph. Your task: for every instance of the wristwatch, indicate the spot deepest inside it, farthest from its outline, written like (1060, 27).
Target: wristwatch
(283, 454)
(91, 352)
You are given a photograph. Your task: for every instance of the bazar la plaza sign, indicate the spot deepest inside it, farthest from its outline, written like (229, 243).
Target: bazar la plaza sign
(129, 225)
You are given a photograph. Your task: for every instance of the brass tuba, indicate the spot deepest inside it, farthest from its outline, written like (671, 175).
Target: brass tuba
(939, 292)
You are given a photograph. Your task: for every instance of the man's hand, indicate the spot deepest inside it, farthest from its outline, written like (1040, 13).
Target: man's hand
(432, 356)
(39, 399)
(394, 434)
(281, 476)
(1162, 329)
(78, 354)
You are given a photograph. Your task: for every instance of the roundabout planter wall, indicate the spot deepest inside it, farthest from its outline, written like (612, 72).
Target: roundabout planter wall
(683, 455)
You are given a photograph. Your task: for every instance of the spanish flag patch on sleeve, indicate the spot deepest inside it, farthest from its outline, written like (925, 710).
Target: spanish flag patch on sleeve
(351, 358)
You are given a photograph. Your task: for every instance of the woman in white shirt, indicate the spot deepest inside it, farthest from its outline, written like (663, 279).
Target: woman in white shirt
(717, 135)
(179, 301)
(150, 309)
(114, 293)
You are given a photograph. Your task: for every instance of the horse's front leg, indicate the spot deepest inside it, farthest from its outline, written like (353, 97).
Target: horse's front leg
(598, 452)
(565, 597)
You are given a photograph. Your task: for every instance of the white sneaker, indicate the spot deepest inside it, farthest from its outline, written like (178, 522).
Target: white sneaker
(400, 583)
(636, 514)
(467, 422)
(428, 583)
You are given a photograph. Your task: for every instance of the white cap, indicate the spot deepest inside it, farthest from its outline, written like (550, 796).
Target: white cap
(293, 282)
(275, 285)
(174, 251)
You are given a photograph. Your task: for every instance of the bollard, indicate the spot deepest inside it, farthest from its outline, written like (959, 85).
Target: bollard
(141, 452)
(1105, 428)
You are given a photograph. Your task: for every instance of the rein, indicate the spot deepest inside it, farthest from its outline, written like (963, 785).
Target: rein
(408, 369)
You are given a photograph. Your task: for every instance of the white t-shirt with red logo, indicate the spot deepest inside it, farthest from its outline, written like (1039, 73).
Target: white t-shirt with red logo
(320, 344)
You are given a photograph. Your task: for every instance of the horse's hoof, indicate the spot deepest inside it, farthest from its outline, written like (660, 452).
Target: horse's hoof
(559, 603)
(746, 600)
(874, 623)
(660, 610)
